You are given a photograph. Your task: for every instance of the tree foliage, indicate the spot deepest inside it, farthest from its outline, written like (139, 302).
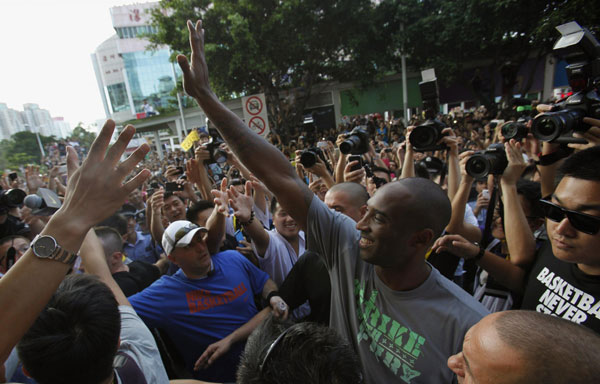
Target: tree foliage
(281, 48)
(447, 35)
(84, 137)
(21, 149)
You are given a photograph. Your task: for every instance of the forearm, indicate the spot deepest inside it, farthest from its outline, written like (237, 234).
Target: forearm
(94, 261)
(408, 168)
(156, 227)
(502, 270)
(548, 172)
(205, 184)
(41, 278)
(245, 330)
(457, 219)
(453, 174)
(519, 238)
(216, 230)
(269, 287)
(339, 168)
(259, 236)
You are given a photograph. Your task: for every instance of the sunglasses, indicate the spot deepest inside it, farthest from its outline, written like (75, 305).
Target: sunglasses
(580, 221)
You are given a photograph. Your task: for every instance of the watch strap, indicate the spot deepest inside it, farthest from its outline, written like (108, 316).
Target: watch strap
(479, 254)
(60, 254)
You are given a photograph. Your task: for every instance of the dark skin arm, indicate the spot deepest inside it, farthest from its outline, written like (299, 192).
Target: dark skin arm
(271, 166)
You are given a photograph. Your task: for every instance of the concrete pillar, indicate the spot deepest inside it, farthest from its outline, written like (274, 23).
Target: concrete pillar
(549, 69)
(158, 145)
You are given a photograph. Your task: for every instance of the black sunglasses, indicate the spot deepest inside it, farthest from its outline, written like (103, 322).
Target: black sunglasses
(580, 221)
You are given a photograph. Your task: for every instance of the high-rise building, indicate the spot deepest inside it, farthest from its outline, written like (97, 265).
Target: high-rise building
(127, 73)
(32, 119)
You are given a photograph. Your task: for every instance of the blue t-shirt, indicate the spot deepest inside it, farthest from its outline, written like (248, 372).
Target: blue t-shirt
(143, 249)
(198, 312)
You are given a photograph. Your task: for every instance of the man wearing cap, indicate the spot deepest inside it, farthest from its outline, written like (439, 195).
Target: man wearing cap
(137, 245)
(207, 308)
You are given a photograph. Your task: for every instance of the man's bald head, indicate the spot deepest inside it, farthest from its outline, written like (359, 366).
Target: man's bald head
(348, 198)
(423, 201)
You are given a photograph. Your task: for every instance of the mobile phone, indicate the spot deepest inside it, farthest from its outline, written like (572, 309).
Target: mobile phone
(155, 185)
(358, 158)
(322, 144)
(13, 176)
(485, 193)
(239, 236)
(173, 187)
(388, 150)
(62, 168)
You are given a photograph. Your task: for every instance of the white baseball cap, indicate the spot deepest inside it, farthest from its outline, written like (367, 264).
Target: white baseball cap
(179, 234)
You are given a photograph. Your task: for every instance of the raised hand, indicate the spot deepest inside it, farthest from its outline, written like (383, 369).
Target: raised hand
(516, 163)
(33, 178)
(242, 203)
(221, 198)
(195, 75)
(96, 189)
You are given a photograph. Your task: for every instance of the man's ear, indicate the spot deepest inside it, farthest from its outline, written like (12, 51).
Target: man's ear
(117, 257)
(422, 238)
(172, 258)
(25, 372)
(363, 211)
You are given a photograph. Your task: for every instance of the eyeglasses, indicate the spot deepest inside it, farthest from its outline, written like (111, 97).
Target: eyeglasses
(580, 221)
(272, 347)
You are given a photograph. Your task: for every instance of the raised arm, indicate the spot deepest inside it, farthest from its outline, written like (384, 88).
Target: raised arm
(519, 238)
(242, 206)
(94, 192)
(271, 166)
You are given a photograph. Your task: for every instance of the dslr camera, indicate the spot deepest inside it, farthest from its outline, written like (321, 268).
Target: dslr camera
(490, 161)
(356, 143)
(217, 155)
(11, 198)
(518, 129)
(580, 49)
(308, 157)
(425, 137)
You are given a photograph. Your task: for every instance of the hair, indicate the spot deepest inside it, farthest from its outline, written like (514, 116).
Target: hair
(307, 353)
(357, 193)
(532, 192)
(273, 206)
(554, 350)
(196, 208)
(111, 240)
(75, 338)
(421, 170)
(582, 165)
(116, 221)
(169, 194)
(429, 206)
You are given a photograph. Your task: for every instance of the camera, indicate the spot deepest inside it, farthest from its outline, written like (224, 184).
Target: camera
(578, 47)
(516, 129)
(425, 136)
(217, 154)
(308, 157)
(490, 161)
(356, 143)
(11, 198)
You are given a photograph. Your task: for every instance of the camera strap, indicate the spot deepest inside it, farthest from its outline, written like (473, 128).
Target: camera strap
(487, 230)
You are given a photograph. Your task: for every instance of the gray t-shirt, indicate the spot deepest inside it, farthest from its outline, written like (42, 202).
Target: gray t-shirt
(400, 336)
(138, 343)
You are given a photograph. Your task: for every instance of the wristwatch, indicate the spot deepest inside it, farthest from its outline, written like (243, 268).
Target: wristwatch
(480, 253)
(46, 247)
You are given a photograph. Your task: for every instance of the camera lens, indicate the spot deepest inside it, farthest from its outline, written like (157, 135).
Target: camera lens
(350, 144)
(478, 166)
(423, 136)
(14, 197)
(551, 125)
(308, 159)
(514, 130)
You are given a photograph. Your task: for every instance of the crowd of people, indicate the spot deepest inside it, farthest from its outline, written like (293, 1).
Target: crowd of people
(281, 261)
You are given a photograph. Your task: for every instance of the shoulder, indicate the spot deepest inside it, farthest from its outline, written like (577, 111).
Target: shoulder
(459, 302)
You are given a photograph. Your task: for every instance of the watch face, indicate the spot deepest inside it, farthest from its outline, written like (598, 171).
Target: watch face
(44, 246)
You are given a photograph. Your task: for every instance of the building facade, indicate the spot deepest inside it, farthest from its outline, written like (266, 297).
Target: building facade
(128, 74)
(33, 119)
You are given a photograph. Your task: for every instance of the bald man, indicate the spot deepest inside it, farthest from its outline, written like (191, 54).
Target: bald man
(514, 347)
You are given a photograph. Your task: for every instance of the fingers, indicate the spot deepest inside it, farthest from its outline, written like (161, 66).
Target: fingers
(248, 188)
(72, 161)
(116, 150)
(591, 121)
(128, 165)
(137, 181)
(98, 148)
(224, 185)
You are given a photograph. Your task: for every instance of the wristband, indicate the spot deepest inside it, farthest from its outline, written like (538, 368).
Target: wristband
(553, 157)
(479, 254)
(272, 294)
(250, 220)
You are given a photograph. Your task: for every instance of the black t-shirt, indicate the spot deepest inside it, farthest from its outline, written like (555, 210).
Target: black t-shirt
(140, 276)
(561, 289)
(309, 280)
